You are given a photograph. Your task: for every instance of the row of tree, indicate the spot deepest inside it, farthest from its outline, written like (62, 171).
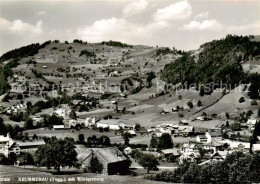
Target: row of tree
(238, 167)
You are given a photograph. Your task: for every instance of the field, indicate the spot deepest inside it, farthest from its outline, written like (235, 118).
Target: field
(8, 171)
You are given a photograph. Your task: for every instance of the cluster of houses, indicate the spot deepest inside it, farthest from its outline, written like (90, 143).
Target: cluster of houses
(16, 108)
(183, 129)
(211, 143)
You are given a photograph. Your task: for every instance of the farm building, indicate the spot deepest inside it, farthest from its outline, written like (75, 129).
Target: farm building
(112, 160)
(58, 127)
(185, 130)
(30, 146)
(111, 124)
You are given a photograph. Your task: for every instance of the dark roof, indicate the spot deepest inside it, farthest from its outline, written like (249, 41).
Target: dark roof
(202, 137)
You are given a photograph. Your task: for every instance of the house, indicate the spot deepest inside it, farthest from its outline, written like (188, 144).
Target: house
(189, 157)
(202, 138)
(167, 130)
(112, 124)
(213, 134)
(256, 148)
(128, 150)
(214, 146)
(72, 123)
(58, 127)
(185, 130)
(64, 111)
(165, 153)
(220, 155)
(90, 122)
(112, 160)
(221, 125)
(216, 157)
(7, 145)
(185, 122)
(30, 146)
(191, 148)
(251, 124)
(131, 132)
(201, 118)
(239, 146)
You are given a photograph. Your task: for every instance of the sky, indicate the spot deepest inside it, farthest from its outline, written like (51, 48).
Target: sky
(183, 24)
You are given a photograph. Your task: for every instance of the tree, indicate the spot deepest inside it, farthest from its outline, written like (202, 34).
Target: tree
(28, 159)
(34, 137)
(149, 162)
(12, 158)
(227, 115)
(28, 124)
(56, 153)
(126, 137)
(165, 142)
(153, 142)
(137, 126)
(95, 165)
(241, 100)
(106, 141)
(199, 104)
(3, 130)
(253, 90)
(256, 130)
(202, 91)
(73, 115)
(190, 104)
(235, 126)
(4, 86)
(81, 138)
(26, 137)
(29, 106)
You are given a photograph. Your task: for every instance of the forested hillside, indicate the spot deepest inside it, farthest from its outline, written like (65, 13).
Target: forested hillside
(219, 60)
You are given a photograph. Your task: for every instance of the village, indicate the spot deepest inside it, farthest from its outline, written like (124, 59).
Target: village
(172, 143)
(103, 109)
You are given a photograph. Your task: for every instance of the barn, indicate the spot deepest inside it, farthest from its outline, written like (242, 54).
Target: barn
(113, 161)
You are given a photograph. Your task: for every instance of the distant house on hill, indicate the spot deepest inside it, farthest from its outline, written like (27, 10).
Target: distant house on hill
(112, 160)
(58, 127)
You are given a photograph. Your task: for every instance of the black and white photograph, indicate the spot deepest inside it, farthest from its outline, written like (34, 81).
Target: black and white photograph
(129, 91)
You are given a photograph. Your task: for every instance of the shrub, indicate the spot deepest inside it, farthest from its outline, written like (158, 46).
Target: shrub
(190, 104)
(241, 100)
(253, 102)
